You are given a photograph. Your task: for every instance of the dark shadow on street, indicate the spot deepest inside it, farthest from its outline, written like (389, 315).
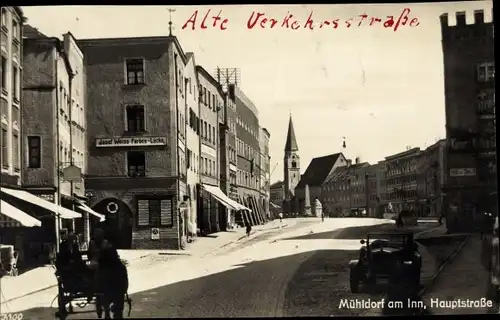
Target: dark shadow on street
(350, 233)
(252, 289)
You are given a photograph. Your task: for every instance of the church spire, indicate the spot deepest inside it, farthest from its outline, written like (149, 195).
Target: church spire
(291, 142)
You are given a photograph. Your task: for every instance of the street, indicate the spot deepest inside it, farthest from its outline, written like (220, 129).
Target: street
(302, 272)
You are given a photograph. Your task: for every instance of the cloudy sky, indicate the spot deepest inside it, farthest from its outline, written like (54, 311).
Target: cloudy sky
(381, 89)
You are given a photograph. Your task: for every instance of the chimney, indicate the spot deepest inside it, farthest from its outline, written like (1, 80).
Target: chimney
(349, 162)
(358, 160)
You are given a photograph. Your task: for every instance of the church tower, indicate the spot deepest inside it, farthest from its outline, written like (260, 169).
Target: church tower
(291, 165)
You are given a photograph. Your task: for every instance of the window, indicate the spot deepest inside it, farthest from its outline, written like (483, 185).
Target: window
(4, 18)
(486, 71)
(15, 29)
(205, 133)
(135, 71)
(15, 151)
(5, 149)
(213, 135)
(136, 161)
(4, 74)
(135, 119)
(34, 152)
(209, 133)
(155, 212)
(204, 95)
(15, 83)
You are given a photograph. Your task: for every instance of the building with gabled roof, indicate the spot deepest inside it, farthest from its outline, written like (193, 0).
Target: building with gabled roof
(318, 171)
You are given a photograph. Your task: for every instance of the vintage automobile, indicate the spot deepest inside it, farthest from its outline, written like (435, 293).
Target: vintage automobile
(392, 257)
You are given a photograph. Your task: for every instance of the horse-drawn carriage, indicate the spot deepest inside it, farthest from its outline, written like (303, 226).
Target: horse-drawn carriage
(82, 282)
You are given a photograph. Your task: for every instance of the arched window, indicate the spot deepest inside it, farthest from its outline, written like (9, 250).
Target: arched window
(294, 164)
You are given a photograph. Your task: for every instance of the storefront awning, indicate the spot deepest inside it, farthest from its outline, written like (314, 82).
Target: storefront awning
(274, 205)
(84, 207)
(18, 215)
(28, 197)
(222, 198)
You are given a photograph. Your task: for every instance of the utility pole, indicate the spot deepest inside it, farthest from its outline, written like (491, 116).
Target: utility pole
(170, 11)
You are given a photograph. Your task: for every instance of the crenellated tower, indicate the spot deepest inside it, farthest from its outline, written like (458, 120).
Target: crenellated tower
(469, 81)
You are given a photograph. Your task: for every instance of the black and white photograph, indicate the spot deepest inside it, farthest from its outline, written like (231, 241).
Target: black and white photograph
(248, 160)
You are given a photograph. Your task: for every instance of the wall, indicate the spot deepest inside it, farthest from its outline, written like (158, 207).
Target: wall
(192, 137)
(107, 96)
(211, 101)
(77, 127)
(11, 108)
(39, 118)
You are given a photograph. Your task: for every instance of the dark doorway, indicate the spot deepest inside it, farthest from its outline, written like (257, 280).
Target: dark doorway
(118, 224)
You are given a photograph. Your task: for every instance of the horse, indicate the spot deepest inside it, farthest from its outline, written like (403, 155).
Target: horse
(112, 278)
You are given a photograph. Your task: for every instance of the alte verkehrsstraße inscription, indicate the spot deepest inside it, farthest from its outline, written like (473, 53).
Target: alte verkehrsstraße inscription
(261, 20)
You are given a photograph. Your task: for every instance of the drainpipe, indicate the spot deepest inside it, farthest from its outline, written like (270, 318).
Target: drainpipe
(57, 218)
(176, 77)
(70, 122)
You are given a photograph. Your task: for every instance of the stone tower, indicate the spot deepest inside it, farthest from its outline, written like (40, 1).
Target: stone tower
(291, 165)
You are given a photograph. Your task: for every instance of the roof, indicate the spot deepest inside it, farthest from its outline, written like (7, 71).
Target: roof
(132, 40)
(32, 32)
(57, 44)
(278, 184)
(291, 141)
(209, 77)
(318, 170)
(342, 173)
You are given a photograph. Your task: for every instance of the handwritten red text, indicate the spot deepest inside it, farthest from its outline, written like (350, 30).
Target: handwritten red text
(259, 20)
(216, 21)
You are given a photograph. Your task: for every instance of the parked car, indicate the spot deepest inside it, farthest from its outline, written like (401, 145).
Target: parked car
(391, 257)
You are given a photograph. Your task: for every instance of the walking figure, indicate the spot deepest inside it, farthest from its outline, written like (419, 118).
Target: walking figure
(322, 217)
(249, 229)
(281, 217)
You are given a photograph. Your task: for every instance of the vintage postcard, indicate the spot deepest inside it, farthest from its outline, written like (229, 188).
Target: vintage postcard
(248, 161)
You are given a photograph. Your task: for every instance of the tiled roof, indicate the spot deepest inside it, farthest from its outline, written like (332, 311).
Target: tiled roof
(318, 170)
(342, 173)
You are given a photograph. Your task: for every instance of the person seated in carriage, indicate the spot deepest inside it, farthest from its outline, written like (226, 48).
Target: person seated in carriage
(69, 263)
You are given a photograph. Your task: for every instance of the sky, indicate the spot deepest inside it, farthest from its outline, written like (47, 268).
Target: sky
(381, 90)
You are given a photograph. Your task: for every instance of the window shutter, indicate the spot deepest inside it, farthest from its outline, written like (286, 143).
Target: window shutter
(166, 213)
(143, 212)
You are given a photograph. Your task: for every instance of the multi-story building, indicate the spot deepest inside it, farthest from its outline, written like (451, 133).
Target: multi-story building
(265, 170)
(193, 141)
(277, 193)
(247, 150)
(401, 172)
(317, 174)
(431, 178)
(136, 124)
(54, 121)
(211, 101)
(351, 190)
(291, 170)
(469, 72)
(11, 106)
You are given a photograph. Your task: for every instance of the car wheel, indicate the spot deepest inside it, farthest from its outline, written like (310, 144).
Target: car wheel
(354, 281)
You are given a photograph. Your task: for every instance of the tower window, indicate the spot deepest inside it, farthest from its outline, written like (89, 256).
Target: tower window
(294, 164)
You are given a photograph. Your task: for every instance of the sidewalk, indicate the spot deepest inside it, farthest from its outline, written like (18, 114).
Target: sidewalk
(43, 278)
(463, 278)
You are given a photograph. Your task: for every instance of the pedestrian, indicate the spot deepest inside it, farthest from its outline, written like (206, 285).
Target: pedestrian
(249, 229)
(322, 217)
(281, 217)
(440, 221)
